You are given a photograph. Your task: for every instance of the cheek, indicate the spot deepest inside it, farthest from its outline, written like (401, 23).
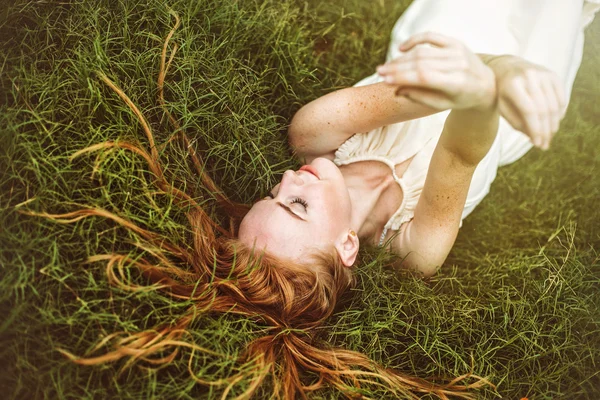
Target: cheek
(336, 208)
(254, 220)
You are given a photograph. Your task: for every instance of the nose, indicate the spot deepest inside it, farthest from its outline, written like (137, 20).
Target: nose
(291, 177)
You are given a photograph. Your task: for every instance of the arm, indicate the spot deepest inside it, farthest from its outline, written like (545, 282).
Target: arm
(424, 242)
(452, 77)
(321, 126)
(531, 99)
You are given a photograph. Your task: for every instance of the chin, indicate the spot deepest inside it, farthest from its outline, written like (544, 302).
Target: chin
(326, 168)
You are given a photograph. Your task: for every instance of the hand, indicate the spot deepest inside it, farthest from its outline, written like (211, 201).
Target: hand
(530, 97)
(445, 76)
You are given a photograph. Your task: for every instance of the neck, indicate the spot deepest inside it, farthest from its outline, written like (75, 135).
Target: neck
(365, 187)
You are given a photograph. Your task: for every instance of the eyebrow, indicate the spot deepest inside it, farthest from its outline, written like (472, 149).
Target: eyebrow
(289, 210)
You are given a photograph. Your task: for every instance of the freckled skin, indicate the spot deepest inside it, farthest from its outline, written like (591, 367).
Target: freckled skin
(424, 242)
(346, 112)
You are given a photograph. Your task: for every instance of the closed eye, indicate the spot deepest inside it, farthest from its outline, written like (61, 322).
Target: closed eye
(288, 209)
(300, 201)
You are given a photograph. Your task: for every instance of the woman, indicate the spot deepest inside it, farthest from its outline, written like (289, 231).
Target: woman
(286, 262)
(418, 208)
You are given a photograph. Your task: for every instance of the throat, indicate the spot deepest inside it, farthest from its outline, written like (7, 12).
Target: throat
(375, 196)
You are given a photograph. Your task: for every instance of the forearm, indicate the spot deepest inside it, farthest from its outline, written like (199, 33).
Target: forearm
(469, 133)
(325, 123)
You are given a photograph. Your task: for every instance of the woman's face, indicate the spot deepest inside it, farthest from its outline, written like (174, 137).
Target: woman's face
(309, 209)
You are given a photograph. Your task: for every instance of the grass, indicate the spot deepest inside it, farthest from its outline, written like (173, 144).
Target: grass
(517, 301)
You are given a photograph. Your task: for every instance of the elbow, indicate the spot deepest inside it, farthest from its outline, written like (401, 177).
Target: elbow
(425, 267)
(294, 133)
(427, 271)
(297, 145)
(299, 136)
(293, 137)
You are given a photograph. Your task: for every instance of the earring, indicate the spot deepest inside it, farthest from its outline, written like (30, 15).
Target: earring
(352, 233)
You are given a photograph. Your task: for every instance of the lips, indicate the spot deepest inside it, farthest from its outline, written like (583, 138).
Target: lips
(310, 169)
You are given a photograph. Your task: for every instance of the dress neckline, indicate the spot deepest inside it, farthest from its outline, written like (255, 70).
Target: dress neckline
(399, 180)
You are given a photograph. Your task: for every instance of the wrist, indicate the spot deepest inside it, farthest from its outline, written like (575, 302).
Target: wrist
(504, 64)
(497, 61)
(488, 98)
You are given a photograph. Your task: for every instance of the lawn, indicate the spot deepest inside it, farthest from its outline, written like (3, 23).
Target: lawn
(518, 300)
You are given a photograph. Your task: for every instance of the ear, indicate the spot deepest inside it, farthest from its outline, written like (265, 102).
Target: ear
(347, 248)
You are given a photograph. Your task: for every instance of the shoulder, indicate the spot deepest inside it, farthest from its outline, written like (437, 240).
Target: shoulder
(422, 250)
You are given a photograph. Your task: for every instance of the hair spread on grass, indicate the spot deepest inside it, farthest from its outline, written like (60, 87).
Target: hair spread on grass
(226, 276)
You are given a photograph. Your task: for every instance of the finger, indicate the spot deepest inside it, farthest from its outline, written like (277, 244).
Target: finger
(416, 55)
(431, 98)
(433, 38)
(534, 87)
(423, 52)
(561, 96)
(420, 57)
(521, 100)
(511, 115)
(553, 104)
(390, 69)
(427, 79)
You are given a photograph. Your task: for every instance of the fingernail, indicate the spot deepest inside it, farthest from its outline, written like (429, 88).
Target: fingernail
(388, 79)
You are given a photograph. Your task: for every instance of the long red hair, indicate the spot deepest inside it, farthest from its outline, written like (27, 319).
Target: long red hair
(225, 276)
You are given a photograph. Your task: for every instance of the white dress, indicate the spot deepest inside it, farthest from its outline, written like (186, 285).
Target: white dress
(546, 32)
